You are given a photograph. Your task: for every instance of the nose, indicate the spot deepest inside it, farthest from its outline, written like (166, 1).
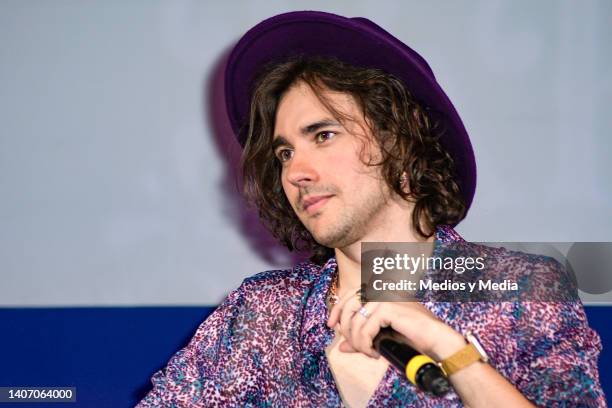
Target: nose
(300, 171)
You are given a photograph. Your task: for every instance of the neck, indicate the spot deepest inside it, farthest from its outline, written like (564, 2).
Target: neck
(386, 228)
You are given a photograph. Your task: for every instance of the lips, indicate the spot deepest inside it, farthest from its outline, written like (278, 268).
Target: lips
(313, 203)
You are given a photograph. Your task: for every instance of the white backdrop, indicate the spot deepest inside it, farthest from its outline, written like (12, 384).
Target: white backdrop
(115, 164)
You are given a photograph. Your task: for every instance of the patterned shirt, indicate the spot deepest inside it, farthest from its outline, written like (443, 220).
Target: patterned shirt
(264, 346)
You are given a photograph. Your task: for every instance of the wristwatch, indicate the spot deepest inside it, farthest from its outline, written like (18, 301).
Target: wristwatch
(469, 354)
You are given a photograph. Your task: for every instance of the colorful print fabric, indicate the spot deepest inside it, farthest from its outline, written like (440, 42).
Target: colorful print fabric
(264, 346)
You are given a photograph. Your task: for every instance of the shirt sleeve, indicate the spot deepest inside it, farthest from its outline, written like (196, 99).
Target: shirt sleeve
(558, 352)
(204, 373)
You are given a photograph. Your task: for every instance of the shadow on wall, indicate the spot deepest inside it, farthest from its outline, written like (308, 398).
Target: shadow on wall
(236, 210)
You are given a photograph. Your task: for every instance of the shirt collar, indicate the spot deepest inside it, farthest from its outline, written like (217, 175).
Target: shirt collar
(314, 320)
(315, 334)
(446, 233)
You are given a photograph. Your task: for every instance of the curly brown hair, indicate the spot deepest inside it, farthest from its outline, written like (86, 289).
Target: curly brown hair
(405, 133)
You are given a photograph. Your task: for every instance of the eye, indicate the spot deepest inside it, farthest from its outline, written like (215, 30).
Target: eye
(283, 155)
(323, 136)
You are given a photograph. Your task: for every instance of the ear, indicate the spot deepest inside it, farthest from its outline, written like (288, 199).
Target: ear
(404, 183)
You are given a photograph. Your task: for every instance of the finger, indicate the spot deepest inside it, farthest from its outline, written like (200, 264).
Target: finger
(346, 316)
(358, 339)
(334, 315)
(370, 329)
(346, 347)
(411, 316)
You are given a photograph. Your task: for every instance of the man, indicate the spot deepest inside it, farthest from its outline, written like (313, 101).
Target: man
(348, 139)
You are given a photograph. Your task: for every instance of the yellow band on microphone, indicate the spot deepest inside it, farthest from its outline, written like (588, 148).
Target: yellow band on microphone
(415, 364)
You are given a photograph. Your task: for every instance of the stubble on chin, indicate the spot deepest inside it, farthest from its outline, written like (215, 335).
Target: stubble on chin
(350, 225)
(336, 234)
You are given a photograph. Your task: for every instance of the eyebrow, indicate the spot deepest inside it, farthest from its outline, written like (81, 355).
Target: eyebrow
(306, 130)
(279, 141)
(313, 127)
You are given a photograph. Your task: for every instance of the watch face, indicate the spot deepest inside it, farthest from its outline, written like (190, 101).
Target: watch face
(474, 341)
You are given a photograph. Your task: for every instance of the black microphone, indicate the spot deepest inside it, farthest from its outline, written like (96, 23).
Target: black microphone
(420, 370)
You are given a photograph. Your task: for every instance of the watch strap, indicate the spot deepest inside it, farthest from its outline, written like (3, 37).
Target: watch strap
(461, 359)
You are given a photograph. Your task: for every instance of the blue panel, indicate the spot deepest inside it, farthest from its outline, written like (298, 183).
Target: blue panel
(109, 354)
(599, 319)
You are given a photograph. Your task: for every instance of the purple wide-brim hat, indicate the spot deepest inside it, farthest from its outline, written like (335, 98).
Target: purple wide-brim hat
(356, 41)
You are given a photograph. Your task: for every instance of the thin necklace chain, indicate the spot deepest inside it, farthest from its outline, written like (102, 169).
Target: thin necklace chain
(332, 294)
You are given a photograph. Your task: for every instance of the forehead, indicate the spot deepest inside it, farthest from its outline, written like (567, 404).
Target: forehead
(300, 106)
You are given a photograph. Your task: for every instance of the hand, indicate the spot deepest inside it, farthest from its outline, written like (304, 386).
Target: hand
(422, 329)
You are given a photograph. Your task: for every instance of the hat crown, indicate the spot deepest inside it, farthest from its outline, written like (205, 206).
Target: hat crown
(421, 61)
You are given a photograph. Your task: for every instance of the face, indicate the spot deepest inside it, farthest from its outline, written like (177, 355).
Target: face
(337, 197)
